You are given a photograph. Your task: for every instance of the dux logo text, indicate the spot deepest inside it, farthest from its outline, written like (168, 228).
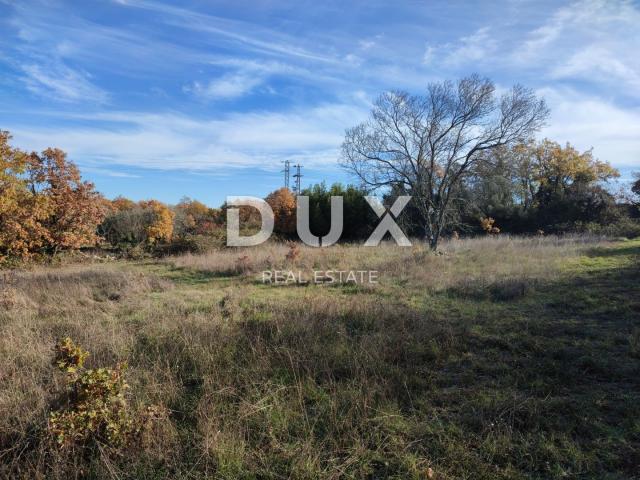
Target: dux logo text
(387, 223)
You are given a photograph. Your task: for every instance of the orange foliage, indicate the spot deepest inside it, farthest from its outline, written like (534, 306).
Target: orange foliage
(194, 208)
(194, 217)
(21, 212)
(121, 203)
(161, 227)
(283, 204)
(75, 207)
(487, 225)
(44, 204)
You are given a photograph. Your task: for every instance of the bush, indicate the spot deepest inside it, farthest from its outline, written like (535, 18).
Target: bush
(135, 252)
(192, 244)
(127, 226)
(149, 222)
(96, 410)
(623, 227)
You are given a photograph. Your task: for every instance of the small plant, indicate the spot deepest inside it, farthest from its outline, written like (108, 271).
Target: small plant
(97, 410)
(294, 252)
(135, 252)
(243, 264)
(487, 224)
(69, 356)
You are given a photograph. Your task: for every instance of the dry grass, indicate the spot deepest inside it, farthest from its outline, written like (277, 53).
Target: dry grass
(468, 265)
(232, 261)
(455, 362)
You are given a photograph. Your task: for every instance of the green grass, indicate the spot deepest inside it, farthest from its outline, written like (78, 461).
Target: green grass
(531, 374)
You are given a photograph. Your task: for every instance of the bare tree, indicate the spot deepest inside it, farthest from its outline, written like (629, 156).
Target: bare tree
(424, 145)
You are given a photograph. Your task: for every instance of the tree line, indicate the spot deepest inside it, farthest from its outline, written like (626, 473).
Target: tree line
(467, 157)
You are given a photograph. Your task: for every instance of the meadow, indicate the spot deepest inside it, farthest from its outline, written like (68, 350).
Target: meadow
(495, 358)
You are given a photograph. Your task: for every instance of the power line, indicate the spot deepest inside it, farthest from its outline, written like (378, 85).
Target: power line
(287, 171)
(297, 176)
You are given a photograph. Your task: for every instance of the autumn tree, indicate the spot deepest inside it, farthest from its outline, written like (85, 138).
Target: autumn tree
(159, 228)
(556, 168)
(75, 208)
(44, 204)
(425, 145)
(569, 186)
(283, 204)
(121, 203)
(144, 223)
(194, 218)
(22, 213)
(540, 185)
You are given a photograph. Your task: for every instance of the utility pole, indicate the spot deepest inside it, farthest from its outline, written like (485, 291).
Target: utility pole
(287, 170)
(297, 176)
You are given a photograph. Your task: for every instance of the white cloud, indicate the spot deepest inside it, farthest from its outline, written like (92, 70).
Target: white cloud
(246, 75)
(598, 63)
(429, 54)
(467, 50)
(259, 39)
(474, 47)
(174, 141)
(594, 41)
(59, 82)
(366, 44)
(587, 121)
(227, 86)
(108, 172)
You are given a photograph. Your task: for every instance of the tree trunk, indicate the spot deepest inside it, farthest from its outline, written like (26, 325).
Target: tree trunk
(433, 241)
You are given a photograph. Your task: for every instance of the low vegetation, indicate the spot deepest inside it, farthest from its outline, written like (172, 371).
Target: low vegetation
(496, 357)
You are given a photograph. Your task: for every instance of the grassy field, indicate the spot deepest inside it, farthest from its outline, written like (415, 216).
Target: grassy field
(496, 358)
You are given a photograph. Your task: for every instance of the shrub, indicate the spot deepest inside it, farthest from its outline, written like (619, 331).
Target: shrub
(127, 226)
(624, 227)
(135, 252)
(96, 410)
(192, 244)
(149, 222)
(487, 225)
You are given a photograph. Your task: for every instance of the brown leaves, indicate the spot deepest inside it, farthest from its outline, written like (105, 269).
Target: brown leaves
(44, 204)
(76, 208)
(487, 225)
(283, 204)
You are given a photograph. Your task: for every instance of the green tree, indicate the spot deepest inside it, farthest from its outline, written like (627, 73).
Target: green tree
(359, 219)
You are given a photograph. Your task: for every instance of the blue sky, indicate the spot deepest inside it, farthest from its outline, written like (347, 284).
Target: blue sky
(206, 99)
